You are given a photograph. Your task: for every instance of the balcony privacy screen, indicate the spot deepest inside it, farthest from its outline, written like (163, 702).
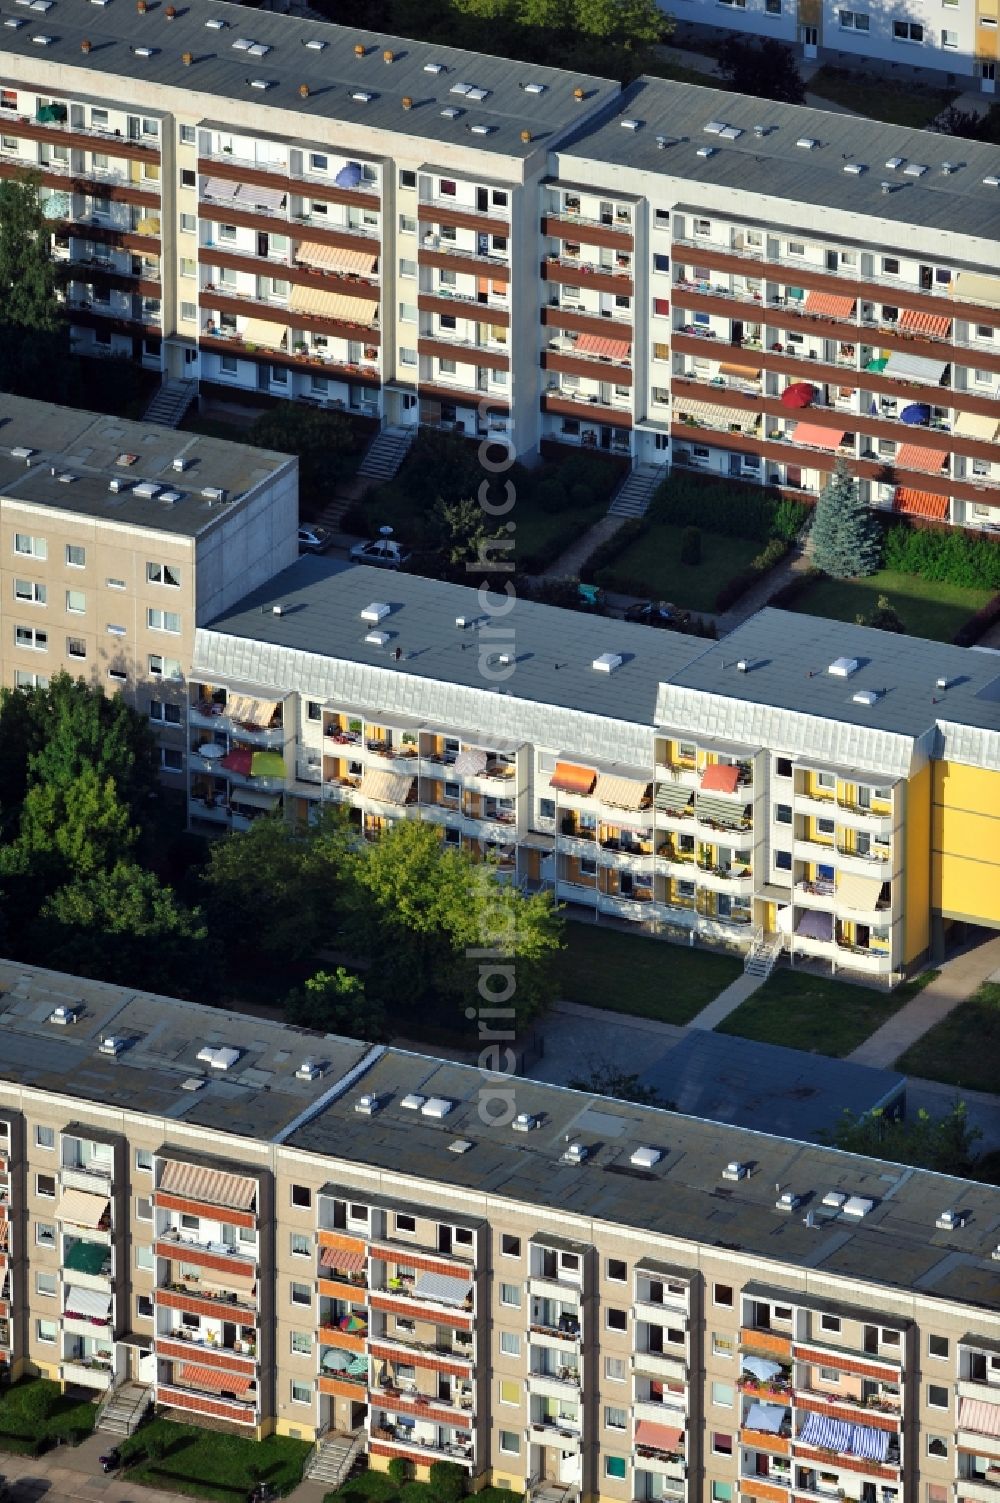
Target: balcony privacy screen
(213, 1187)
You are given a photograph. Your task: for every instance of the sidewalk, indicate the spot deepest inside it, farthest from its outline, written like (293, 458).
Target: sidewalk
(958, 980)
(72, 1474)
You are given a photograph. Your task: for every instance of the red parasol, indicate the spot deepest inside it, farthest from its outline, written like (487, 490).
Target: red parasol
(240, 760)
(799, 394)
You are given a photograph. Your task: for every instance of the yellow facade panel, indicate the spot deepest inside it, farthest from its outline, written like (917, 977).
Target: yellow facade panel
(965, 840)
(917, 874)
(967, 888)
(959, 787)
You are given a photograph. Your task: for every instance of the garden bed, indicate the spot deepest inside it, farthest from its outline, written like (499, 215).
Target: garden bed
(210, 1463)
(651, 566)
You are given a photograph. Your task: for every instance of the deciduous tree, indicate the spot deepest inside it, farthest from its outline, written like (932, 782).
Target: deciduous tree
(766, 68)
(943, 1143)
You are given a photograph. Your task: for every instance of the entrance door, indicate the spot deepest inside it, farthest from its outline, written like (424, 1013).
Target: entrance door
(737, 331)
(871, 1337)
(605, 437)
(809, 36)
(263, 243)
(550, 1467)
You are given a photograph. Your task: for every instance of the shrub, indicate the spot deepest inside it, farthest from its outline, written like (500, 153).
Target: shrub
(399, 1470)
(945, 557)
(691, 545)
(789, 519)
(36, 1401)
(23, 1445)
(447, 1481)
(729, 507)
(772, 554)
(605, 553)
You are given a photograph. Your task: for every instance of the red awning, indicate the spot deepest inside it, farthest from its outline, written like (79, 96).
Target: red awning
(833, 304)
(347, 1262)
(659, 1437)
(914, 457)
(572, 779)
(720, 777)
(607, 349)
(815, 436)
(213, 1379)
(920, 503)
(936, 324)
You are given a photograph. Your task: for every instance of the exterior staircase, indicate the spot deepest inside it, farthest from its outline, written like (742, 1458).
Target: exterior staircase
(170, 403)
(762, 955)
(385, 454)
(121, 1410)
(333, 1459)
(632, 498)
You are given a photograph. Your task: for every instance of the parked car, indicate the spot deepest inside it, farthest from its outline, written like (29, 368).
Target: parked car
(314, 539)
(384, 553)
(657, 613)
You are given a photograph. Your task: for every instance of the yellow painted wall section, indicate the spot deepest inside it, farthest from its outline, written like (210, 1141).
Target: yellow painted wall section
(987, 42)
(917, 874)
(965, 842)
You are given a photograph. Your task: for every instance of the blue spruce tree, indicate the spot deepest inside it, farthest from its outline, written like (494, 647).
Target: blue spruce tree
(846, 536)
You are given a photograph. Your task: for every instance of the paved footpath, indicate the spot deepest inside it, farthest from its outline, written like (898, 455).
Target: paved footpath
(959, 978)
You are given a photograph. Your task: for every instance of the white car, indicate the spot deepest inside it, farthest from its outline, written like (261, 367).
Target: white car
(384, 553)
(314, 539)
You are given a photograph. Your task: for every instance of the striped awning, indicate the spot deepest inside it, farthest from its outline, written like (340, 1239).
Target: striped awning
(212, 1379)
(386, 787)
(658, 1437)
(621, 793)
(720, 777)
(974, 425)
(832, 304)
(916, 457)
(720, 810)
(671, 797)
(82, 1209)
(568, 778)
(324, 304)
(213, 1187)
(342, 1259)
(443, 1287)
(979, 1417)
(721, 417)
(973, 287)
(919, 503)
(937, 325)
(262, 331)
(88, 1304)
(250, 711)
(603, 347)
(901, 363)
(854, 890)
(816, 436)
(337, 257)
(221, 189)
(259, 197)
(3, 1236)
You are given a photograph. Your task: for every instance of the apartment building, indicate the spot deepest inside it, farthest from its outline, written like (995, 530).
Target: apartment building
(117, 539)
(803, 784)
(574, 1297)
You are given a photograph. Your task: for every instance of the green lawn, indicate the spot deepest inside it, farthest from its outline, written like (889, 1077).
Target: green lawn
(652, 566)
(927, 609)
(210, 1464)
(377, 1487)
(37, 1410)
(817, 1013)
(605, 967)
(879, 98)
(964, 1048)
(662, 65)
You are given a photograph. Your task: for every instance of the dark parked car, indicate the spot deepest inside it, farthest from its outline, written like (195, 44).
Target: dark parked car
(657, 613)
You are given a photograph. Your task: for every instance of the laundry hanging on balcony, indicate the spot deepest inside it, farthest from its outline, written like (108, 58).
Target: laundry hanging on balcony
(799, 394)
(877, 366)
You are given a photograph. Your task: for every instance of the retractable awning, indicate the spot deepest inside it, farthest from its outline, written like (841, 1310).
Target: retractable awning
(746, 372)
(337, 258)
(261, 197)
(443, 1287)
(568, 778)
(343, 1259)
(386, 787)
(854, 890)
(336, 305)
(602, 346)
(621, 793)
(979, 1416)
(659, 1437)
(974, 287)
(719, 777)
(252, 799)
(722, 417)
(832, 304)
(261, 331)
(815, 925)
(917, 367)
(670, 798)
(720, 810)
(916, 457)
(974, 425)
(250, 711)
(937, 325)
(919, 503)
(221, 189)
(212, 1379)
(816, 436)
(212, 1187)
(82, 1209)
(471, 761)
(88, 1304)
(765, 1417)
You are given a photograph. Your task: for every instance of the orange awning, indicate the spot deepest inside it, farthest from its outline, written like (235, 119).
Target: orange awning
(213, 1379)
(720, 777)
(347, 1262)
(572, 779)
(748, 372)
(936, 324)
(914, 457)
(833, 304)
(659, 1437)
(920, 503)
(815, 436)
(607, 349)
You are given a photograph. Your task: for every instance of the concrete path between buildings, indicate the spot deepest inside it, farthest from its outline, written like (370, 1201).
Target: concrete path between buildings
(72, 1474)
(728, 1000)
(959, 978)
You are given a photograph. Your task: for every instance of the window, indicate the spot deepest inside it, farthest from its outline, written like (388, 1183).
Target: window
(407, 224)
(45, 1137)
(722, 1492)
(406, 1224)
(614, 1466)
(407, 357)
(189, 178)
(907, 31)
(937, 1446)
(783, 861)
(301, 1392)
(722, 1395)
(615, 1418)
(510, 1391)
(829, 1323)
(510, 1343)
(45, 1234)
(661, 307)
(301, 1343)
(510, 1294)
(145, 1259)
(189, 223)
(937, 1396)
(408, 313)
(614, 1369)
(45, 1186)
(30, 547)
(189, 312)
(76, 557)
(160, 667)
(300, 1294)
(616, 1320)
(143, 1208)
(829, 1375)
(949, 40)
(186, 135)
(302, 1197)
(407, 179)
(510, 1246)
(722, 1294)
(938, 1346)
(171, 759)
(782, 814)
(722, 1345)
(661, 263)
(187, 266)
(722, 1443)
(854, 20)
(28, 591)
(617, 1270)
(824, 826)
(782, 767)
(936, 1492)
(164, 714)
(143, 1159)
(46, 1330)
(772, 7)
(510, 1442)
(29, 636)
(158, 620)
(447, 187)
(76, 602)
(46, 1283)
(795, 248)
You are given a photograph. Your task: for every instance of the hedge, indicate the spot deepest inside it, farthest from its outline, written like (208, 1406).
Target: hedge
(766, 559)
(24, 1445)
(728, 507)
(605, 553)
(947, 557)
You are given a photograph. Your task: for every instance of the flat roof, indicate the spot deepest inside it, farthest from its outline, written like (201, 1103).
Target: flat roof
(333, 74)
(682, 1196)
(746, 1083)
(774, 166)
(92, 450)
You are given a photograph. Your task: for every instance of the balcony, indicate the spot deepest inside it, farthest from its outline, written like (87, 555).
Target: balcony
(981, 1489)
(409, 1400)
(221, 1256)
(197, 1401)
(659, 1364)
(565, 1434)
(93, 1375)
(582, 274)
(876, 864)
(400, 1441)
(92, 1180)
(554, 1384)
(586, 408)
(771, 1343)
(398, 1345)
(181, 1343)
(194, 1301)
